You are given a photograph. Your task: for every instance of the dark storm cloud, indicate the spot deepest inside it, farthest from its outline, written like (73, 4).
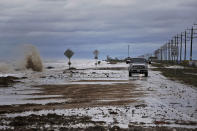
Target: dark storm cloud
(83, 25)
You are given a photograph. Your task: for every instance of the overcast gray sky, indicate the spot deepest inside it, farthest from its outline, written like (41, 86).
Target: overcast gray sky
(85, 25)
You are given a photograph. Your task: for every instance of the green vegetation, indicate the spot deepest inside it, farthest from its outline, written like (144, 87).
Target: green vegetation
(163, 63)
(188, 75)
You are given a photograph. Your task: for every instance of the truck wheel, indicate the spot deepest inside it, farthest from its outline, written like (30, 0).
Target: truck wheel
(130, 74)
(146, 74)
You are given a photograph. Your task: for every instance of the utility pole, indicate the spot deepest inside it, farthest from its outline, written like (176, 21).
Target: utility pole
(171, 48)
(192, 31)
(164, 54)
(172, 58)
(175, 52)
(181, 47)
(169, 58)
(193, 35)
(166, 51)
(128, 50)
(191, 40)
(177, 48)
(185, 55)
(186, 39)
(161, 53)
(171, 51)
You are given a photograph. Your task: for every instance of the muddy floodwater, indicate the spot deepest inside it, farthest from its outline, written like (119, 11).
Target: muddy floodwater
(95, 98)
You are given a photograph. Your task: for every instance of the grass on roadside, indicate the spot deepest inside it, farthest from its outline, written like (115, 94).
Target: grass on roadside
(187, 75)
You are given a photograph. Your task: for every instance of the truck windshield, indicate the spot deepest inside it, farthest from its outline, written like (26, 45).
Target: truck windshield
(138, 60)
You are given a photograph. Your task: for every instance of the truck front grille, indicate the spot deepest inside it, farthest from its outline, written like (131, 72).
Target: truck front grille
(138, 67)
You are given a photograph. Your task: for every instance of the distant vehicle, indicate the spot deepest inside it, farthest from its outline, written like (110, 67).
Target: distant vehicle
(128, 59)
(152, 59)
(138, 65)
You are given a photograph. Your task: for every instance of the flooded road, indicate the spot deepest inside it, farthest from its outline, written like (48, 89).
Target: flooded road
(168, 101)
(105, 96)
